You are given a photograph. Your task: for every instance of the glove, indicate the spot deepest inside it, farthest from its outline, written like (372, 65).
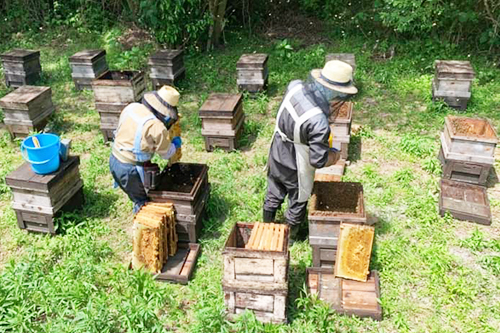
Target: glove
(333, 157)
(177, 142)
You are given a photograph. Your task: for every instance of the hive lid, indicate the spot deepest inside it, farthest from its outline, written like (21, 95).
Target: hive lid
(87, 56)
(220, 102)
(354, 251)
(254, 60)
(23, 95)
(19, 55)
(167, 56)
(454, 69)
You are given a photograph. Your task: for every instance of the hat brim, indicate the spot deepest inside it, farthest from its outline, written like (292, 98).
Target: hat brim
(347, 89)
(157, 105)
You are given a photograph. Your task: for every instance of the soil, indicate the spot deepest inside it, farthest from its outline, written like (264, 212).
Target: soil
(471, 127)
(331, 198)
(179, 177)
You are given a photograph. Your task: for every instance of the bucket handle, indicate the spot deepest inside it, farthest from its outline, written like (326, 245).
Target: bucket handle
(25, 156)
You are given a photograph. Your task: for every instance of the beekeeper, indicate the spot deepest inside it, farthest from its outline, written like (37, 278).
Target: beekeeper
(301, 140)
(143, 131)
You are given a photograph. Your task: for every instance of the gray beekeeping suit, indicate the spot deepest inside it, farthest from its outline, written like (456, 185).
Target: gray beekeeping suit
(299, 146)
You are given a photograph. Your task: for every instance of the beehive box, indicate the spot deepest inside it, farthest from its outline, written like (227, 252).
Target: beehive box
(27, 109)
(454, 99)
(349, 58)
(38, 198)
(452, 82)
(255, 279)
(113, 91)
(341, 143)
(222, 121)
(21, 67)
(166, 67)
(186, 186)
(469, 140)
(352, 298)
(465, 201)
(468, 172)
(86, 66)
(341, 121)
(332, 173)
(354, 251)
(332, 203)
(252, 72)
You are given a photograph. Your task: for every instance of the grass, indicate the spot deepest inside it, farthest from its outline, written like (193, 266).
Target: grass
(437, 274)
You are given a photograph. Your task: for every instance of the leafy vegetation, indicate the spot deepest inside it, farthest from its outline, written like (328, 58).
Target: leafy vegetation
(437, 274)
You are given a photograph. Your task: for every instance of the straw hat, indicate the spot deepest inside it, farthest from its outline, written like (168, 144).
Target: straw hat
(336, 75)
(161, 99)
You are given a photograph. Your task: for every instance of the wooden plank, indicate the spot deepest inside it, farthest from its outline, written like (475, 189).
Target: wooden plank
(252, 236)
(281, 239)
(255, 302)
(253, 266)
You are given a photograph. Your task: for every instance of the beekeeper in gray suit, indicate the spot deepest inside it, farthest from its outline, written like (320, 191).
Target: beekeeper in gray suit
(301, 140)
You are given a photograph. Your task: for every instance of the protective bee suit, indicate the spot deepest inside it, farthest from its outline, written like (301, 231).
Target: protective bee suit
(300, 143)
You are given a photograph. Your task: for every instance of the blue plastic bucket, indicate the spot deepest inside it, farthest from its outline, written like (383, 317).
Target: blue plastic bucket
(45, 159)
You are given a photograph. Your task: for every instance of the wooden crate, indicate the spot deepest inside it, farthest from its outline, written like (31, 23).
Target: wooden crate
(257, 270)
(38, 198)
(186, 186)
(454, 98)
(473, 173)
(349, 58)
(340, 123)
(341, 143)
(465, 201)
(252, 72)
(354, 251)
(27, 109)
(21, 67)
(469, 139)
(180, 267)
(352, 298)
(454, 69)
(324, 221)
(268, 306)
(113, 91)
(166, 67)
(224, 139)
(332, 173)
(86, 66)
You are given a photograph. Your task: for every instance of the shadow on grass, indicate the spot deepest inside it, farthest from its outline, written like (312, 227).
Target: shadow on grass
(216, 211)
(492, 178)
(296, 287)
(354, 151)
(251, 130)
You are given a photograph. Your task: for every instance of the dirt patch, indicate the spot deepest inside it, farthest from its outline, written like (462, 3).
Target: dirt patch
(332, 198)
(471, 127)
(179, 177)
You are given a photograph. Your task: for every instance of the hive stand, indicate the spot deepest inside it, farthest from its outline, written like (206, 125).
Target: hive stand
(21, 67)
(252, 72)
(27, 109)
(222, 121)
(113, 91)
(255, 279)
(86, 66)
(452, 82)
(39, 198)
(166, 67)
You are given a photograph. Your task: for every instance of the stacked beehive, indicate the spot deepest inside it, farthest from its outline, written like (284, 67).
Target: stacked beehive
(167, 67)
(467, 155)
(349, 58)
(113, 91)
(21, 67)
(155, 237)
(256, 260)
(252, 72)
(452, 82)
(38, 198)
(222, 121)
(27, 109)
(86, 66)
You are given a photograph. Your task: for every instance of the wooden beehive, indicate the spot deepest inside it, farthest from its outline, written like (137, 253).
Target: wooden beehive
(354, 251)
(113, 91)
(166, 67)
(222, 119)
(349, 58)
(465, 201)
(27, 109)
(468, 172)
(38, 198)
(186, 186)
(21, 67)
(86, 66)
(340, 122)
(452, 82)
(252, 72)
(469, 140)
(332, 203)
(332, 173)
(352, 298)
(255, 279)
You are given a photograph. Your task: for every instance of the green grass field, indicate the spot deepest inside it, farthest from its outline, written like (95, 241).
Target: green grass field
(437, 274)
